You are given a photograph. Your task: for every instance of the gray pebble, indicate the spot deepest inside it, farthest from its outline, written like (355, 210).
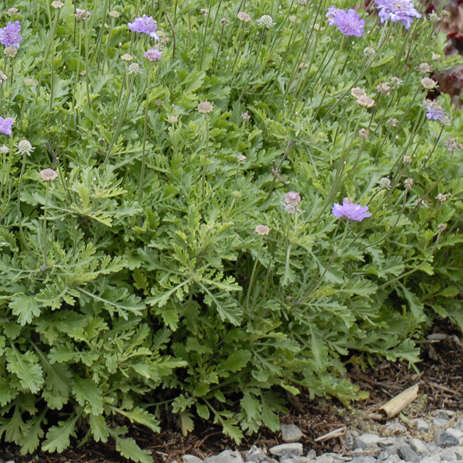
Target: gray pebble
(422, 425)
(457, 433)
(191, 459)
(435, 459)
(440, 422)
(419, 447)
(367, 441)
(363, 459)
(257, 455)
(287, 450)
(408, 454)
(290, 433)
(227, 456)
(444, 440)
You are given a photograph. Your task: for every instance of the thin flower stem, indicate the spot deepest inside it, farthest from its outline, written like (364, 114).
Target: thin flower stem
(44, 229)
(251, 282)
(145, 131)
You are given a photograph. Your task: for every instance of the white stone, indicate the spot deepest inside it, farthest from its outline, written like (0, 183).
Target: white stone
(290, 433)
(191, 459)
(419, 447)
(227, 456)
(286, 450)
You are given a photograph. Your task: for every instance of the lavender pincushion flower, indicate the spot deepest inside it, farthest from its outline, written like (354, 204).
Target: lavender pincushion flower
(153, 54)
(397, 10)
(10, 34)
(145, 25)
(350, 211)
(348, 22)
(5, 125)
(435, 112)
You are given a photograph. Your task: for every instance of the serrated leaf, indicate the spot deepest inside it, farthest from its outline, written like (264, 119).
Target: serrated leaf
(87, 392)
(141, 416)
(14, 427)
(231, 430)
(25, 308)
(128, 448)
(7, 392)
(59, 437)
(186, 423)
(26, 368)
(32, 434)
(98, 428)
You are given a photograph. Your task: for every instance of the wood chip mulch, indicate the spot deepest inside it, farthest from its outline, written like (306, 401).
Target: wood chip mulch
(440, 378)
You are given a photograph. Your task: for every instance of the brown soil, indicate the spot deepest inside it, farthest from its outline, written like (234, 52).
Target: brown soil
(440, 379)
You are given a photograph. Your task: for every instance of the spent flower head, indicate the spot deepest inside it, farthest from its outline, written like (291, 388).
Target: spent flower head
(48, 175)
(5, 125)
(145, 25)
(24, 147)
(10, 52)
(114, 14)
(82, 14)
(153, 54)
(357, 92)
(383, 88)
(384, 183)
(57, 4)
(408, 184)
(243, 16)
(266, 21)
(262, 230)
(397, 11)
(3, 77)
(291, 202)
(4, 149)
(443, 196)
(10, 34)
(133, 68)
(424, 67)
(395, 82)
(365, 100)
(350, 210)
(369, 52)
(348, 22)
(205, 107)
(428, 83)
(126, 57)
(12, 11)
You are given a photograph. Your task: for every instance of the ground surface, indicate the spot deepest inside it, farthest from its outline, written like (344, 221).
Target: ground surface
(441, 387)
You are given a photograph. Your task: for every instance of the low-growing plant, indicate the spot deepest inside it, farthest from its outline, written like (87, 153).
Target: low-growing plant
(207, 206)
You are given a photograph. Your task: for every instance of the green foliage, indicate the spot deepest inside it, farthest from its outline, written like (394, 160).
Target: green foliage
(143, 281)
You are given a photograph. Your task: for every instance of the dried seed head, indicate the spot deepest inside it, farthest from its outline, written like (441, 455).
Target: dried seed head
(48, 175)
(357, 92)
(57, 4)
(224, 21)
(424, 67)
(3, 77)
(443, 197)
(383, 88)
(364, 133)
(133, 68)
(126, 57)
(172, 119)
(262, 230)
(245, 116)
(82, 14)
(4, 149)
(25, 147)
(442, 227)
(428, 83)
(243, 16)
(12, 11)
(407, 159)
(369, 52)
(11, 52)
(408, 183)
(204, 11)
(395, 81)
(241, 157)
(266, 21)
(365, 100)
(384, 183)
(114, 14)
(392, 122)
(205, 107)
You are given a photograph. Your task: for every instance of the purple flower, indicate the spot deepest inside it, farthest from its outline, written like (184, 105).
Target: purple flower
(435, 112)
(348, 22)
(350, 211)
(397, 10)
(145, 25)
(5, 125)
(10, 34)
(153, 54)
